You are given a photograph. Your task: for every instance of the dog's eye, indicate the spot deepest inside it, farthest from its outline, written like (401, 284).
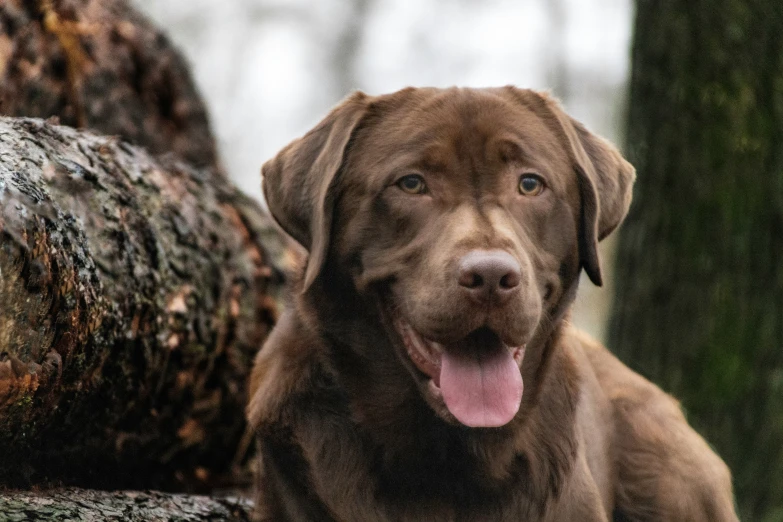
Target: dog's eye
(530, 185)
(412, 184)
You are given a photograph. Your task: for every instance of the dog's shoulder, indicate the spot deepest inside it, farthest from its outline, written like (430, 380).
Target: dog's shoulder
(619, 383)
(666, 471)
(640, 409)
(285, 368)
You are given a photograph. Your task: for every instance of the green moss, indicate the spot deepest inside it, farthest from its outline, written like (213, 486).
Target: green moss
(24, 402)
(195, 350)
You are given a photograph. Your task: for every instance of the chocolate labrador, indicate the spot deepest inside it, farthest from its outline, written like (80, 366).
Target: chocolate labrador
(425, 369)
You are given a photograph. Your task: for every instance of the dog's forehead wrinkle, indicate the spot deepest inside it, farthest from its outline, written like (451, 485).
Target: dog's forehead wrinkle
(473, 144)
(509, 149)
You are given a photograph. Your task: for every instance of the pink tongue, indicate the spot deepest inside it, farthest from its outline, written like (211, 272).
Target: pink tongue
(482, 386)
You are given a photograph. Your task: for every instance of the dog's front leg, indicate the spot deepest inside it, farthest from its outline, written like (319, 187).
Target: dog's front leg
(580, 498)
(282, 492)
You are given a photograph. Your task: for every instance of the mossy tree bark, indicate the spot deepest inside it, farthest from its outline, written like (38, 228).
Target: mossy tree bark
(134, 293)
(99, 64)
(699, 270)
(78, 505)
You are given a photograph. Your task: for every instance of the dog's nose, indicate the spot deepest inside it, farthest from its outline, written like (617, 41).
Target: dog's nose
(488, 274)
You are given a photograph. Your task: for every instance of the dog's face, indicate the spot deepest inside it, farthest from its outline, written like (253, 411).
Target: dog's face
(469, 213)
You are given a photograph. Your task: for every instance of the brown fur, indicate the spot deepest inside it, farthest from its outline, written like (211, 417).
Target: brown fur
(347, 428)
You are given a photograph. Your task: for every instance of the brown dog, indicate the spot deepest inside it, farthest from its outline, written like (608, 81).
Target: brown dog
(446, 231)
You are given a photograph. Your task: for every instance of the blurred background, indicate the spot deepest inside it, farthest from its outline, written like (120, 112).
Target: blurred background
(269, 70)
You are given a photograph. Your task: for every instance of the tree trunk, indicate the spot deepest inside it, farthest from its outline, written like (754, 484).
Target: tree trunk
(101, 65)
(78, 505)
(699, 296)
(134, 294)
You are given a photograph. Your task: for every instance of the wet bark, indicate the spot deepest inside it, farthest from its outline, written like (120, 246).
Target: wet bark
(79, 505)
(134, 293)
(99, 64)
(699, 296)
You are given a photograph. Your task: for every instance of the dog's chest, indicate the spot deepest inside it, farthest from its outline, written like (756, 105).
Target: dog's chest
(355, 484)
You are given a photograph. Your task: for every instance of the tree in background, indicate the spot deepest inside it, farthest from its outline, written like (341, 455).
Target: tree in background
(699, 296)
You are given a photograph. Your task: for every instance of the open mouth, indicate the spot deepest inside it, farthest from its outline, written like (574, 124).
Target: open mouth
(478, 376)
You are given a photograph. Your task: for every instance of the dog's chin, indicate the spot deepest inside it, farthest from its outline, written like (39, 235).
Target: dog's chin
(474, 381)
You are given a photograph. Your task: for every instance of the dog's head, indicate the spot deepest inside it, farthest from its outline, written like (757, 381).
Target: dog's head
(468, 213)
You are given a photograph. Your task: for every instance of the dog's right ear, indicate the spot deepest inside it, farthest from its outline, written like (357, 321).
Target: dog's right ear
(299, 182)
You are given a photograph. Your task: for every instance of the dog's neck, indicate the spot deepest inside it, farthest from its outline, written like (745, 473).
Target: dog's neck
(413, 447)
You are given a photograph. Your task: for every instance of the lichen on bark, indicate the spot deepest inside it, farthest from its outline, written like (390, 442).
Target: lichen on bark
(134, 294)
(76, 505)
(99, 64)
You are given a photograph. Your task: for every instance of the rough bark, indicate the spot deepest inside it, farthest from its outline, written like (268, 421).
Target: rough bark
(78, 505)
(101, 65)
(699, 296)
(134, 293)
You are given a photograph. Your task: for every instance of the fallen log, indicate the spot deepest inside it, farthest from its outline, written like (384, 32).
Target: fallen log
(79, 505)
(134, 293)
(99, 64)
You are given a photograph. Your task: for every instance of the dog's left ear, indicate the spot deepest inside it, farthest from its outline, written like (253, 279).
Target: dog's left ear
(299, 182)
(605, 185)
(605, 177)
